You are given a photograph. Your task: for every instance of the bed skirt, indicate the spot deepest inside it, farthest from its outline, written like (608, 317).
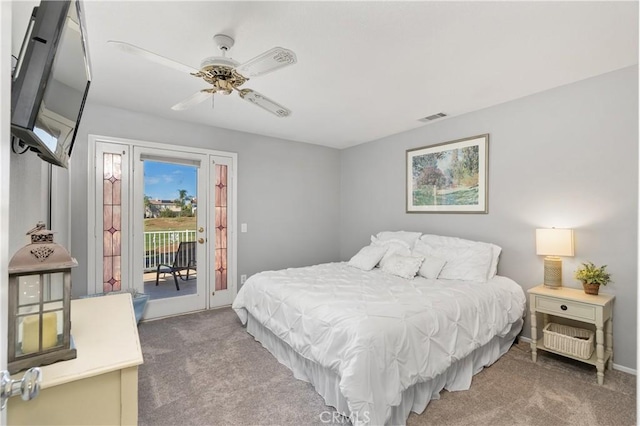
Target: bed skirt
(416, 398)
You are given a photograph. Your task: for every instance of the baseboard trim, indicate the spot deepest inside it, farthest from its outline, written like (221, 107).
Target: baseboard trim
(615, 366)
(625, 369)
(525, 339)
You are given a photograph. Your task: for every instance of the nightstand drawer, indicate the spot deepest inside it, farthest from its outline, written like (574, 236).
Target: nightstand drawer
(566, 308)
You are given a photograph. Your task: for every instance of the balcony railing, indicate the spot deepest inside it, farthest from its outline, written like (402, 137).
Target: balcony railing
(161, 246)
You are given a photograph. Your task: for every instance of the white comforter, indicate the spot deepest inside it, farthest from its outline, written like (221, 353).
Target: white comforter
(380, 333)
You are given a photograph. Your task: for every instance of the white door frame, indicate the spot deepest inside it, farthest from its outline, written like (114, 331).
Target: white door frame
(92, 286)
(5, 155)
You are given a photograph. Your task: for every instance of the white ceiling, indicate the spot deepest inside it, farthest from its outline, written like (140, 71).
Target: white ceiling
(365, 69)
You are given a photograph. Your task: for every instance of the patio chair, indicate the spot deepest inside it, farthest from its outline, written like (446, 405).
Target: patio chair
(184, 260)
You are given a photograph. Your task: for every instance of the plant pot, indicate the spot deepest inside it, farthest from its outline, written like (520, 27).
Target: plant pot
(591, 288)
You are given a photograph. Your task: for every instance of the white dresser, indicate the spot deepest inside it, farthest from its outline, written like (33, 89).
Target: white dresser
(100, 386)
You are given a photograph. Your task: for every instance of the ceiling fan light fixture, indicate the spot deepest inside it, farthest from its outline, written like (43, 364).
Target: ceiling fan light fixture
(225, 86)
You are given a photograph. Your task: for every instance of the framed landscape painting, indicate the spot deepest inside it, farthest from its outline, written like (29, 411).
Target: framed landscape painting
(450, 177)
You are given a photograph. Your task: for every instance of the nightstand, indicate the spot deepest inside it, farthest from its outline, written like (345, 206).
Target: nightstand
(576, 305)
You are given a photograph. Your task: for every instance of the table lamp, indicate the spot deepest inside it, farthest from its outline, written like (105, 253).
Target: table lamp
(553, 243)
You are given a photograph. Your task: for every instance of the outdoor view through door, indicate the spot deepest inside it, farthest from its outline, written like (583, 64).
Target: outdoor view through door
(170, 222)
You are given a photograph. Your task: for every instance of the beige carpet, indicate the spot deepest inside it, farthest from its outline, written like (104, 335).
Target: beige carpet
(204, 369)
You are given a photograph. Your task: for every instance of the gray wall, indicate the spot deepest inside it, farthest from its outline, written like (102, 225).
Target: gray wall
(288, 192)
(28, 197)
(567, 157)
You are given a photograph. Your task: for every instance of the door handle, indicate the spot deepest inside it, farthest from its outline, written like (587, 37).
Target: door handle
(28, 387)
(201, 229)
(201, 240)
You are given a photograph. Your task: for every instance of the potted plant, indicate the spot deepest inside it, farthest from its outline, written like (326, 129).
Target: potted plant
(592, 277)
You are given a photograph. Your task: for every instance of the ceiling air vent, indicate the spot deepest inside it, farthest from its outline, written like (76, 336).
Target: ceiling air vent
(433, 117)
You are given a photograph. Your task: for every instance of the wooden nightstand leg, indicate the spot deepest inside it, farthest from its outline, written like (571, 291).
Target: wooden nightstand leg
(600, 353)
(609, 342)
(534, 337)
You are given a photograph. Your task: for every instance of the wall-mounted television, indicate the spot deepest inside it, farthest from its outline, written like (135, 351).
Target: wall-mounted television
(51, 81)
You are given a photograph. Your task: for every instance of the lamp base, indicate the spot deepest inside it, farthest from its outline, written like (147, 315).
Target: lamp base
(552, 272)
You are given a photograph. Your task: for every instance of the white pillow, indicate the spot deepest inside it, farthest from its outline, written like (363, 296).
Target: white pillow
(463, 263)
(408, 237)
(454, 242)
(495, 257)
(368, 257)
(393, 247)
(403, 266)
(431, 267)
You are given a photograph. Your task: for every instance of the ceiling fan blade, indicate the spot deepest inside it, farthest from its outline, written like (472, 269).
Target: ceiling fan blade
(192, 100)
(269, 61)
(264, 102)
(153, 57)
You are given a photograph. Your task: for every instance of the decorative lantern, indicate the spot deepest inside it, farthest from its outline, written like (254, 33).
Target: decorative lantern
(39, 303)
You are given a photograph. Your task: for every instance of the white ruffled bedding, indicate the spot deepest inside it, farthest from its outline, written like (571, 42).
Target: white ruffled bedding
(379, 333)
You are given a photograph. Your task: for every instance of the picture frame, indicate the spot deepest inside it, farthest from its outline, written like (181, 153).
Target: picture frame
(449, 177)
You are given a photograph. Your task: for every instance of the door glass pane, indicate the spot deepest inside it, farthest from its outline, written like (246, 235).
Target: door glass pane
(111, 224)
(170, 218)
(221, 197)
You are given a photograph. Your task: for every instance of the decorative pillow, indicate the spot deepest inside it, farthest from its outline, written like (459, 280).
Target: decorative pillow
(393, 247)
(431, 267)
(408, 237)
(454, 242)
(402, 266)
(368, 257)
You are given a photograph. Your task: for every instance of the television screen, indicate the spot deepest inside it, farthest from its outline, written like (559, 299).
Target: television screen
(51, 81)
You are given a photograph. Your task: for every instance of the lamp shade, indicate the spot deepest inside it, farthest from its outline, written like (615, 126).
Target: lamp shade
(554, 242)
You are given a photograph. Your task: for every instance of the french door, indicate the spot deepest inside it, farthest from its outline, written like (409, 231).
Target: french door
(161, 254)
(168, 225)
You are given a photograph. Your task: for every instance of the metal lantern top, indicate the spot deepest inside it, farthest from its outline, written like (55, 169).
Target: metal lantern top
(43, 254)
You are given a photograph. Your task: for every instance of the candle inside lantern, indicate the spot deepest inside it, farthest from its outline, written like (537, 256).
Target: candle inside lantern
(30, 332)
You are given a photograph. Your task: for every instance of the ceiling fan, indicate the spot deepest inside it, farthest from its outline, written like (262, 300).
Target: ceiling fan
(224, 74)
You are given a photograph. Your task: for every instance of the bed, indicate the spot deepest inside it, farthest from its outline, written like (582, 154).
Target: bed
(377, 345)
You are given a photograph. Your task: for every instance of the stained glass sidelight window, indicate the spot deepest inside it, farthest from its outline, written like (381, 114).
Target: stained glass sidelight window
(221, 226)
(112, 224)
